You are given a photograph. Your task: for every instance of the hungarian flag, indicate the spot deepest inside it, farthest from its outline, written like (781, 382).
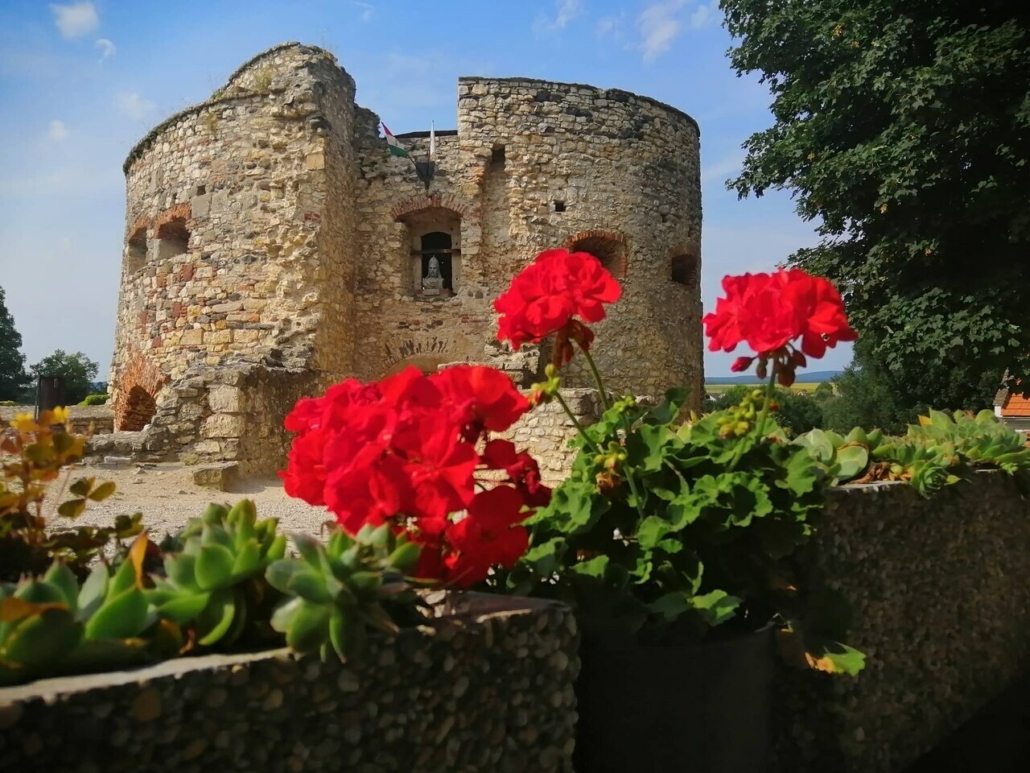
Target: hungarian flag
(391, 142)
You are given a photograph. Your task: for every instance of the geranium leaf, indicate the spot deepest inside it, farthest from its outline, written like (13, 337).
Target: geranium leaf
(716, 607)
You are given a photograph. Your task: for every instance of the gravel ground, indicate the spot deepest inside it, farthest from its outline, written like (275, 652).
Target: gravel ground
(167, 497)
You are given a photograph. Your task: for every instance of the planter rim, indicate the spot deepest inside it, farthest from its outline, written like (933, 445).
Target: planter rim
(465, 609)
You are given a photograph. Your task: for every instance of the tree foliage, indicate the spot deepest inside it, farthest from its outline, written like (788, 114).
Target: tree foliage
(77, 370)
(903, 127)
(13, 378)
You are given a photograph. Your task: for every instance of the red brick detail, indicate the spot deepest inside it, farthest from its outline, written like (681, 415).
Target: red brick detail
(432, 201)
(138, 230)
(136, 387)
(312, 217)
(177, 309)
(607, 246)
(179, 212)
(186, 272)
(156, 342)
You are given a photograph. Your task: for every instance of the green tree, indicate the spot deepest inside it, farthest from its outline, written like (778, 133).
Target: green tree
(903, 128)
(77, 370)
(13, 378)
(866, 398)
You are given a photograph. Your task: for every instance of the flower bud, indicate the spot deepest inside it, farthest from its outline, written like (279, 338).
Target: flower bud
(741, 364)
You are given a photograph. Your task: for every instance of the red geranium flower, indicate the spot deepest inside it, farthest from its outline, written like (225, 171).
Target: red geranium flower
(487, 536)
(481, 398)
(544, 297)
(768, 311)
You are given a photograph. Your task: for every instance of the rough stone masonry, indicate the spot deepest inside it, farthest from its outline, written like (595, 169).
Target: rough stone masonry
(273, 245)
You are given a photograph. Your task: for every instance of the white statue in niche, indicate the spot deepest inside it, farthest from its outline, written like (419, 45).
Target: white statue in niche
(432, 282)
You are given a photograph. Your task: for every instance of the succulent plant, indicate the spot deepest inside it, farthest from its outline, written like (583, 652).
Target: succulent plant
(213, 584)
(841, 458)
(50, 625)
(981, 440)
(341, 589)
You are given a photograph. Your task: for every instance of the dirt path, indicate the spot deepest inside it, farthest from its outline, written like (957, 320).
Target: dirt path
(167, 497)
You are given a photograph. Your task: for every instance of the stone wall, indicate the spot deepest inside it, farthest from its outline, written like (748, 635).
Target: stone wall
(231, 412)
(940, 599)
(271, 222)
(546, 430)
(85, 419)
(486, 688)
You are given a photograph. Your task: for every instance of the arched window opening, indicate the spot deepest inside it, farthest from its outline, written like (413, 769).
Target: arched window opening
(434, 236)
(140, 408)
(610, 250)
(684, 270)
(136, 251)
(173, 239)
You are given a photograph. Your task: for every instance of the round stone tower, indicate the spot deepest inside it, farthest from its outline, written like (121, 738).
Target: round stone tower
(274, 245)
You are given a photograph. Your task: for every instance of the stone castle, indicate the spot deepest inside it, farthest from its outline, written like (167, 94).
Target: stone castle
(274, 245)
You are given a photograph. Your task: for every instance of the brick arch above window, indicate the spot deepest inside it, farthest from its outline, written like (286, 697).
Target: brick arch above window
(607, 246)
(403, 209)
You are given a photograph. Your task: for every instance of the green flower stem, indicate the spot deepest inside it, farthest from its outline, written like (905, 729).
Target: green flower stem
(597, 377)
(769, 391)
(575, 422)
(607, 405)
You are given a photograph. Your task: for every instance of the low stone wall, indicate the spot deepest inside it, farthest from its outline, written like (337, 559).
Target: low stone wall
(940, 595)
(546, 430)
(98, 419)
(487, 687)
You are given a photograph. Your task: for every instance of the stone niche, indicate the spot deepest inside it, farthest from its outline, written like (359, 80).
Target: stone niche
(487, 686)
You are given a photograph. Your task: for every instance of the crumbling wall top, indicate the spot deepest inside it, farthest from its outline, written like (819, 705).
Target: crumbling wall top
(225, 94)
(615, 95)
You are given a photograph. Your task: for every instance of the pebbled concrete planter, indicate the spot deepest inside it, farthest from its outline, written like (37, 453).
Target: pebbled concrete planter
(940, 592)
(487, 686)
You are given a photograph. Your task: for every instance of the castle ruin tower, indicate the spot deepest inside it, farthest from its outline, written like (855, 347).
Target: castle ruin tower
(273, 245)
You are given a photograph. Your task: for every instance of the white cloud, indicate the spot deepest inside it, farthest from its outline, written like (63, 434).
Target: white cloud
(366, 10)
(107, 48)
(567, 11)
(662, 22)
(718, 172)
(133, 105)
(75, 19)
(703, 14)
(57, 131)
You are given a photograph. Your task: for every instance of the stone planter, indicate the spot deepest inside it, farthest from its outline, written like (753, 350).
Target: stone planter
(940, 595)
(696, 708)
(487, 686)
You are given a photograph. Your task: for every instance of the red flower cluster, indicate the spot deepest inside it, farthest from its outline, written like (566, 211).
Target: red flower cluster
(770, 312)
(404, 451)
(545, 297)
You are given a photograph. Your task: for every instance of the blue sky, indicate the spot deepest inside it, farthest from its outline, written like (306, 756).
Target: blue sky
(81, 82)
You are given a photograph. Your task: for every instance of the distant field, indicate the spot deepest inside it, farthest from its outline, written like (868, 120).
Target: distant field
(718, 389)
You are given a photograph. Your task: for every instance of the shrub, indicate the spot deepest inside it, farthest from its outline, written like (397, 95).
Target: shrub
(100, 399)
